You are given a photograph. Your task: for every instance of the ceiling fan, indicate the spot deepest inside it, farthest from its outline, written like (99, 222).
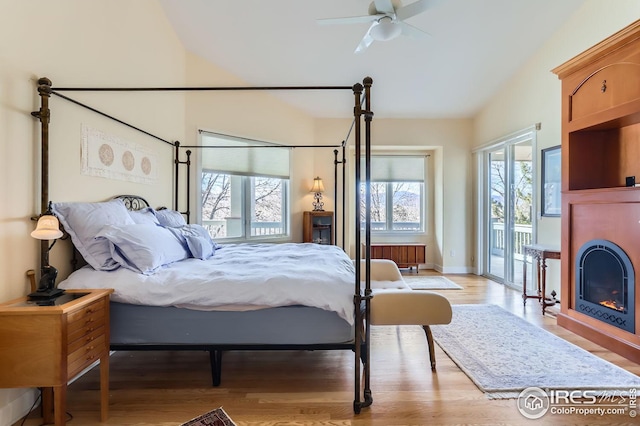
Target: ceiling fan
(387, 21)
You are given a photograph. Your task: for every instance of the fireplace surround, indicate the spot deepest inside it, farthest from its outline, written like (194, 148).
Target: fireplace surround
(600, 153)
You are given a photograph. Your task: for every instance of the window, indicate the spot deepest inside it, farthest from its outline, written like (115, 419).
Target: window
(397, 194)
(244, 188)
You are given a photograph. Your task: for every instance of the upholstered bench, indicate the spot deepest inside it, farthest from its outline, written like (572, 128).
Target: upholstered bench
(394, 303)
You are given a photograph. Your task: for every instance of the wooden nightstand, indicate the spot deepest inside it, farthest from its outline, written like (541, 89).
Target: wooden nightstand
(47, 345)
(317, 227)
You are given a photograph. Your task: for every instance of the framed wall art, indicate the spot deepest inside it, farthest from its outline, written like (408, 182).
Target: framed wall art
(551, 175)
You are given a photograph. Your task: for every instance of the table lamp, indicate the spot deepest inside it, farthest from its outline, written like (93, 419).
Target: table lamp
(318, 189)
(48, 228)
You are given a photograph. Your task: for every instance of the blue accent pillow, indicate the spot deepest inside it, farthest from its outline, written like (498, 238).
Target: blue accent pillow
(198, 240)
(143, 248)
(170, 218)
(83, 221)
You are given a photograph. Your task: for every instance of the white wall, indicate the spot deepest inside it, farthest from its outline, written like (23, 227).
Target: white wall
(130, 44)
(533, 94)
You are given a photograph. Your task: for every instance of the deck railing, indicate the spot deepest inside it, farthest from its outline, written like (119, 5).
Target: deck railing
(523, 235)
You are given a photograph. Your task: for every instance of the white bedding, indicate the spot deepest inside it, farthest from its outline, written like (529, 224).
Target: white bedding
(250, 275)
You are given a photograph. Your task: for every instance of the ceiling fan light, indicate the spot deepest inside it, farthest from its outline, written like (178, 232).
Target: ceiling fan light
(385, 30)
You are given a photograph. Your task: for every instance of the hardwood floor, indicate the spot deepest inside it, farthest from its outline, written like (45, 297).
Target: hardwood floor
(316, 387)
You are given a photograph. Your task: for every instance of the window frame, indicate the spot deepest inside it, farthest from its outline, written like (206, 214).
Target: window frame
(389, 229)
(246, 174)
(247, 204)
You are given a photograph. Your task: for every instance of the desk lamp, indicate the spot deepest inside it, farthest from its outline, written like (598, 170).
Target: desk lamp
(48, 228)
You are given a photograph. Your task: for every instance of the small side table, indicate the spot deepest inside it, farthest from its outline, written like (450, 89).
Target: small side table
(47, 343)
(540, 253)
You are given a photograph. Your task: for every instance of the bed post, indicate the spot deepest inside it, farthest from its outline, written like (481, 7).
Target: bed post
(335, 194)
(176, 162)
(344, 193)
(360, 339)
(368, 116)
(187, 212)
(44, 115)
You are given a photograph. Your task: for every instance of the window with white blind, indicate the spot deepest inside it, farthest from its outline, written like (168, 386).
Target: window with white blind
(244, 188)
(397, 194)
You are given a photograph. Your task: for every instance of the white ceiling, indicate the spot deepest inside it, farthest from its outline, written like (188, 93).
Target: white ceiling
(475, 46)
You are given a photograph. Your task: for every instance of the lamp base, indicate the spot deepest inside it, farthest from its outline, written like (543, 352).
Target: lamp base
(46, 294)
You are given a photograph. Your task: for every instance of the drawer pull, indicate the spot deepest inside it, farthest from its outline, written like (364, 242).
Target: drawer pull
(90, 357)
(88, 349)
(89, 320)
(90, 329)
(90, 338)
(89, 311)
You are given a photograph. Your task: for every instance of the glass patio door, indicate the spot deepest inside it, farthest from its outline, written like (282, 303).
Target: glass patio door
(509, 214)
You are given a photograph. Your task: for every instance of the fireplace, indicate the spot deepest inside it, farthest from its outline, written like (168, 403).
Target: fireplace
(605, 284)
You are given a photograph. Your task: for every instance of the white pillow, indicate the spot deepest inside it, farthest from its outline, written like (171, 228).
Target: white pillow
(143, 247)
(83, 221)
(170, 218)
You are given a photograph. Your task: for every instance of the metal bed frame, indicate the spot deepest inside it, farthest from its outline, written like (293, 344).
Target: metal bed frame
(362, 296)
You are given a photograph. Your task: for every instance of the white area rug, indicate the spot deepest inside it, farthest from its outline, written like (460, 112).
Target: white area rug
(430, 283)
(504, 354)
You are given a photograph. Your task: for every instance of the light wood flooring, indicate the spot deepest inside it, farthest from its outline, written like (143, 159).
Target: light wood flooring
(316, 387)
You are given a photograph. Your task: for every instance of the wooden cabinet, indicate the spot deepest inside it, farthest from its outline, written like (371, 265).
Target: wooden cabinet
(600, 149)
(47, 343)
(318, 227)
(404, 255)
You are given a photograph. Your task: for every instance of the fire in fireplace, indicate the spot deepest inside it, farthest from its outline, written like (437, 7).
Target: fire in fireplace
(605, 284)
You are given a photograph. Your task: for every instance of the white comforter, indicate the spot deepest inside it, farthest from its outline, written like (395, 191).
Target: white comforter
(253, 276)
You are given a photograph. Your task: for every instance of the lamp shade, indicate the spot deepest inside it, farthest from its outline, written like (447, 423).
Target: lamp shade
(317, 185)
(48, 228)
(386, 29)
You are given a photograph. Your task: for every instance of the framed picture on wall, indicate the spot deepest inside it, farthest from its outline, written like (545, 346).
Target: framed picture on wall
(551, 174)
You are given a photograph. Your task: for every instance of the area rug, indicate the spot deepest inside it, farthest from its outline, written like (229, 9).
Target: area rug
(430, 283)
(217, 417)
(503, 354)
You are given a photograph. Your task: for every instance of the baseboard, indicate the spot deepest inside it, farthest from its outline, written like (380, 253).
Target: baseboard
(19, 407)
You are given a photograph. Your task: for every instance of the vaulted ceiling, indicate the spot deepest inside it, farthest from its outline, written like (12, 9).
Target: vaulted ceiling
(473, 48)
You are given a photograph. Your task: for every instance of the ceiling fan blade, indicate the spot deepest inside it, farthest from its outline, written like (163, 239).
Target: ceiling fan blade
(366, 40)
(411, 31)
(384, 6)
(349, 20)
(413, 9)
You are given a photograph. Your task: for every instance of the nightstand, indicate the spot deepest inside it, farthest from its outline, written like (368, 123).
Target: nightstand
(45, 344)
(317, 227)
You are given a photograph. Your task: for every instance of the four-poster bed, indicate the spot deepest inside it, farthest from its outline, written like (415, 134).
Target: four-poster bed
(355, 336)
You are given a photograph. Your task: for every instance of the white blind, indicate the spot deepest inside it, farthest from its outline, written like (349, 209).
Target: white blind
(250, 158)
(403, 168)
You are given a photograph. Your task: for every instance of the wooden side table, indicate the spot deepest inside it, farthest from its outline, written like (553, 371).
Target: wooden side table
(45, 344)
(540, 253)
(405, 255)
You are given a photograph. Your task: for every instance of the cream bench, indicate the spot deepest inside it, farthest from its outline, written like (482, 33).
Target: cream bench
(394, 303)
